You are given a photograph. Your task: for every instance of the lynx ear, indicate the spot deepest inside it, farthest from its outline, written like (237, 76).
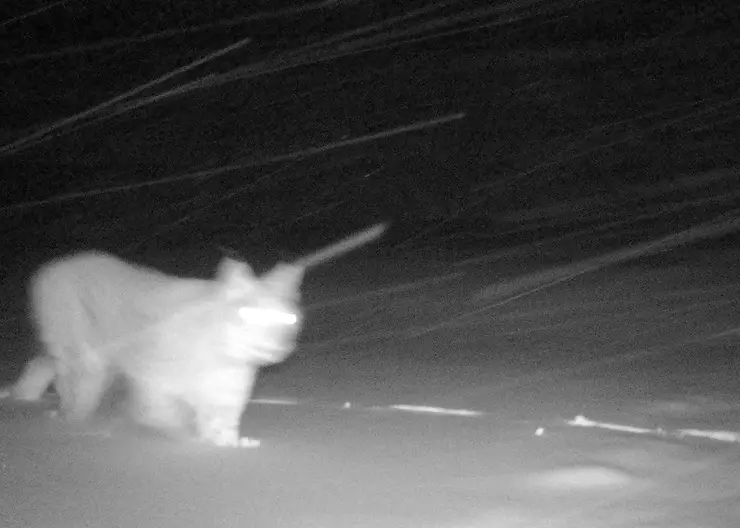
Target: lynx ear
(285, 280)
(235, 276)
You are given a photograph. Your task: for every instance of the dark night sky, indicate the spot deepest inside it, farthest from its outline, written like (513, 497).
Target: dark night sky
(578, 115)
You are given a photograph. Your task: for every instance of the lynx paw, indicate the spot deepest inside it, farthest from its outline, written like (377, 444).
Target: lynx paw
(249, 442)
(228, 437)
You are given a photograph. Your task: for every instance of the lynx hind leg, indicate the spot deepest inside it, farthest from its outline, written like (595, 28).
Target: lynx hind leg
(82, 380)
(219, 405)
(37, 377)
(82, 398)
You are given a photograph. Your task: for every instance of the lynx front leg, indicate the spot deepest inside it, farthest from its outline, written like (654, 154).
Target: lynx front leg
(155, 407)
(220, 402)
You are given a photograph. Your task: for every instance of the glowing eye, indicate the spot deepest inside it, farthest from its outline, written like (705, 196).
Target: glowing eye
(285, 317)
(266, 316)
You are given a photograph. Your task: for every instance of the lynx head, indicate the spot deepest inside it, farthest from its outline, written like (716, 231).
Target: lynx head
(263, 312)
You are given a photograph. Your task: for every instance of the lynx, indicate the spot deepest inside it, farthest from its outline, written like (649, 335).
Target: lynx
(188, 350)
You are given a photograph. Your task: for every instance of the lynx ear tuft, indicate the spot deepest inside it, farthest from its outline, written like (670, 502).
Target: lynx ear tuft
(235, 274)
(285, 279)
